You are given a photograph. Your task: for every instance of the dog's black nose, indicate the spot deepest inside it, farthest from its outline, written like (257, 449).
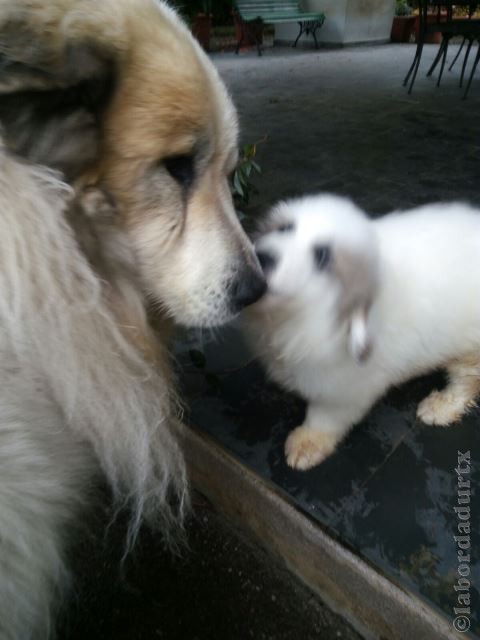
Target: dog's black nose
(267, 260)
(247, 288)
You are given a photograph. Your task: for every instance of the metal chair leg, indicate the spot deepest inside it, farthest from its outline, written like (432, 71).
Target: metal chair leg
(472, 72)
(437, 57)
(415, 69)
(445, 49)
(457, 54)
(412, 66)
(465, 60)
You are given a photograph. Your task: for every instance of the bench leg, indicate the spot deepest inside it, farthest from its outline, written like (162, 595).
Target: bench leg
(314, 29)
(300, 24)
(240, 40)
(258, 31)
(309, 27)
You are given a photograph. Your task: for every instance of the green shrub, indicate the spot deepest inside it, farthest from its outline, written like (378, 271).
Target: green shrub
(221, 10)
(402, 8)
(241, 184)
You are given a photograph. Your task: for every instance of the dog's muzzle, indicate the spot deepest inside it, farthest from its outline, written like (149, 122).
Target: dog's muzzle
(247, 288)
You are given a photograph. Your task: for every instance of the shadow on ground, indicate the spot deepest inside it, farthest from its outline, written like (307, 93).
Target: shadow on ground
(221, 588)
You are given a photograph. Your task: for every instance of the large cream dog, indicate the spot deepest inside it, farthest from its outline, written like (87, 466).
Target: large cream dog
(119, 100)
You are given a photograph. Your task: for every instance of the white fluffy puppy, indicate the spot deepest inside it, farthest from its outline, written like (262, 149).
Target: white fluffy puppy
(355, 306)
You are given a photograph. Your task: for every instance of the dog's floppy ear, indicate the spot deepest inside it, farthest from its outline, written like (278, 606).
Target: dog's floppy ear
(52, 95)
(358, 278)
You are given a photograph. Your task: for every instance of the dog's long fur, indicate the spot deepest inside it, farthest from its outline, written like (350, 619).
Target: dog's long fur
(118, 140)
(68, 374)
(356, 306)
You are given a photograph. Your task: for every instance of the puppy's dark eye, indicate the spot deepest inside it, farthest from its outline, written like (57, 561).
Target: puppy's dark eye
(267, 260)
(286, 227)
(181, 168)
(322, 256)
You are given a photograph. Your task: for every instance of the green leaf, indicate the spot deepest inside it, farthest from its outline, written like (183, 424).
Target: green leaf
(237, 184)
(248, 150)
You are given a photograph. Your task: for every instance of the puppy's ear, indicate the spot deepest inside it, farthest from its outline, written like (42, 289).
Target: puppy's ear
(360, 340)
(51, 95)
(358, 278)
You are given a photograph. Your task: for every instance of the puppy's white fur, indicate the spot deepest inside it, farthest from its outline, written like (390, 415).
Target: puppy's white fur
(396, 297)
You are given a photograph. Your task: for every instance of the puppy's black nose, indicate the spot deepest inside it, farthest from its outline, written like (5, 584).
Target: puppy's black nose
(249, 286)
(267, 260)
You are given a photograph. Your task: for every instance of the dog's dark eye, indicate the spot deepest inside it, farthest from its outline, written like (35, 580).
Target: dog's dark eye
(285, 227)
(321, 255)
(181, 169)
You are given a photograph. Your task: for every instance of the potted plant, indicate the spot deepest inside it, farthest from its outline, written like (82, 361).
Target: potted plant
(433, 37)
(403, 22)
(202, 23)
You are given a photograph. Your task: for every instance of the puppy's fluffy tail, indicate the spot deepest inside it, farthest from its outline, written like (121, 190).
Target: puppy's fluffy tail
(54, 317)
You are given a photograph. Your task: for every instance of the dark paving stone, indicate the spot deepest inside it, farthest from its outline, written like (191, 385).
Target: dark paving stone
(403, 519)
(388, 492)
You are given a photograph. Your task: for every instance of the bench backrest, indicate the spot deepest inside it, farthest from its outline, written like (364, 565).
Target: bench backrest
(263, 7)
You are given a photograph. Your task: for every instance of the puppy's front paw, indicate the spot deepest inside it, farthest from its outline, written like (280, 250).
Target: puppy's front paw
(441, 408)
(307, 447)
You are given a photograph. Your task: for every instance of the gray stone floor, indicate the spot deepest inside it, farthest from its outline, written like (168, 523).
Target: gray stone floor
(341, 121)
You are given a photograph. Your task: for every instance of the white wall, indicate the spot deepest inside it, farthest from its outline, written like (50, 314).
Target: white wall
(347, 22)
(369, 20)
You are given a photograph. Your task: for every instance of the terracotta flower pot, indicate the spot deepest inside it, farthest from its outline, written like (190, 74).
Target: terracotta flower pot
(250, 34)
(402, 28)
(202, 29)
(430, 38)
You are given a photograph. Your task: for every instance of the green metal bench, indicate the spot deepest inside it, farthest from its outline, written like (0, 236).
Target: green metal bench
(253, 14)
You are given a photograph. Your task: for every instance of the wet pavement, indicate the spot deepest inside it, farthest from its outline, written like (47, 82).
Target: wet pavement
(388, 492)
(341, 121)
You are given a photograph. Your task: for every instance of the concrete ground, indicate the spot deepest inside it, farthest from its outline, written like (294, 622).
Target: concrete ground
(341, 121)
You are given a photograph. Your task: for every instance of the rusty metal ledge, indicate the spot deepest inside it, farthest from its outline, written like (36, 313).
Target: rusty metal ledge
(377, 608)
